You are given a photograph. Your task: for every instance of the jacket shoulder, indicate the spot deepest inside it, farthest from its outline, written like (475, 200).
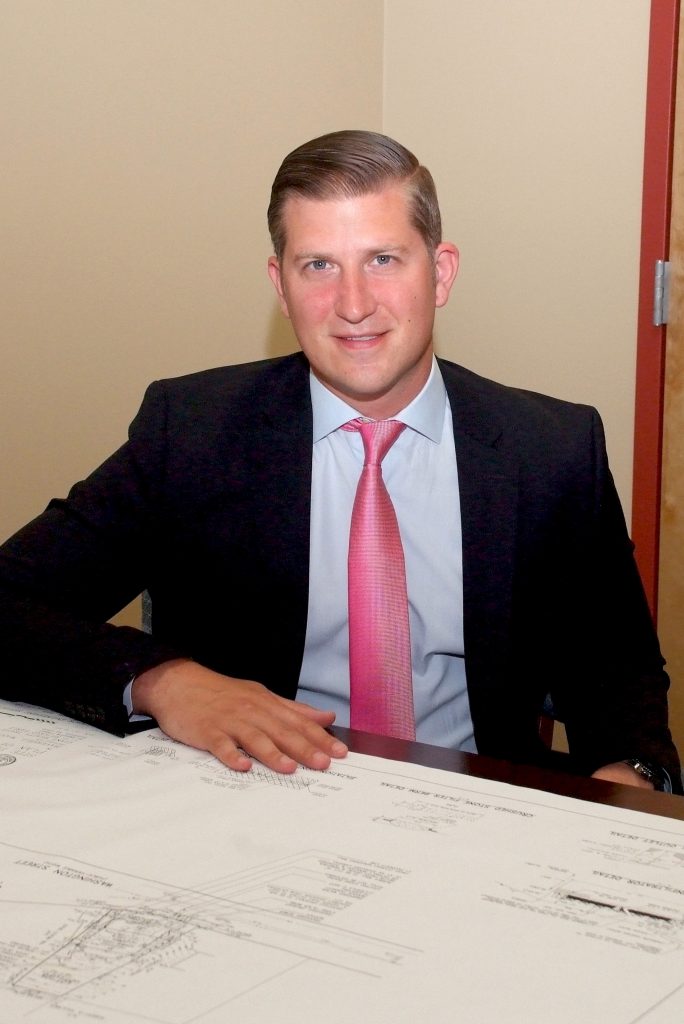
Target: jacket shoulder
(209, 400)
(490, 409)
(248, 380)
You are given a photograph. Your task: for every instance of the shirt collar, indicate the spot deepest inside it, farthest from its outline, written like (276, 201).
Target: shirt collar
(424, 414)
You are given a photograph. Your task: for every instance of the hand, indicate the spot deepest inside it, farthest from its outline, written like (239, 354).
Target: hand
(217, 713)
(624, 773)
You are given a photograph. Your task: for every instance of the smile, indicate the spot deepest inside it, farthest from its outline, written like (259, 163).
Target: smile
(354, 338)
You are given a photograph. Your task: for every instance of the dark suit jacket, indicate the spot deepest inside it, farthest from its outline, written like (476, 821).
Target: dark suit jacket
(207, 506)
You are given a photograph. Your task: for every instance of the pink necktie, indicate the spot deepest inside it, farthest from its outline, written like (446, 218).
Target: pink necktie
(381, 689)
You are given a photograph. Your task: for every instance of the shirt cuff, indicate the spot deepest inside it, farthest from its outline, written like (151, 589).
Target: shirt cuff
(128, 704)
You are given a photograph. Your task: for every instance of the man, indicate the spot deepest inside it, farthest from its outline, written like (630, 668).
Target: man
(231, 503)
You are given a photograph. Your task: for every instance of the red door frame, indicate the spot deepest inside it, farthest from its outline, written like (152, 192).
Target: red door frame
(655, 239)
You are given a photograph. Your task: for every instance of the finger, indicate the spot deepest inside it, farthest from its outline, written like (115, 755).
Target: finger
(215, 742)
(267, 753)
(232, 757)
(282, 746)
(258, 745)
(319, 737)
(280, 749)
(308, 711)
(301, 738)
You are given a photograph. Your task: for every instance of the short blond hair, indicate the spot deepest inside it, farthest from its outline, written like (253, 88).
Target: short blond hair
(354, 163)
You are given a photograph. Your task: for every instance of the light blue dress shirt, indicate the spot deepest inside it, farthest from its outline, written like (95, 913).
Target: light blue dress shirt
(420, 475)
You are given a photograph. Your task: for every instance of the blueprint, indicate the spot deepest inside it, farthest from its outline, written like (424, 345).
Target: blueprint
(141, 881)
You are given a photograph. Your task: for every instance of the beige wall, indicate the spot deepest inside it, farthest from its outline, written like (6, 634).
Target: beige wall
(531, 115)
(141, 137)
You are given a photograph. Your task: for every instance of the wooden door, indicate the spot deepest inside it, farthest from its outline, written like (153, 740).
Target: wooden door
(671, 557)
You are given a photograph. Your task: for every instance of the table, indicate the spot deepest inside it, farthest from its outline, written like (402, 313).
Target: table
(550, 781)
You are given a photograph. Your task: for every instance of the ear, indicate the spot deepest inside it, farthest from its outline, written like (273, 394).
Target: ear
(446, 268)
(276, 277)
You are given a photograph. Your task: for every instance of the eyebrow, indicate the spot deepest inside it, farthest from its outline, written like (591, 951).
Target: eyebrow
(311, 255)
(375, 250)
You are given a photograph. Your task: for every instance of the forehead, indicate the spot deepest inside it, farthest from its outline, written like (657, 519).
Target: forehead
(374, 219)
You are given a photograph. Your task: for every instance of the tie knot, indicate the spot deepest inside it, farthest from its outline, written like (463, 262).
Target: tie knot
(378, 436)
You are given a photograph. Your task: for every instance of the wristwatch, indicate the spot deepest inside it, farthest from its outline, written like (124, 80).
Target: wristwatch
(653, 773)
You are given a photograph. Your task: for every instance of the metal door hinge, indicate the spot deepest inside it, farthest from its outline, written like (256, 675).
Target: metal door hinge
(661, 293)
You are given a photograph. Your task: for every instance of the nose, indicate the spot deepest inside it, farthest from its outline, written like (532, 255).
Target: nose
(355, 299)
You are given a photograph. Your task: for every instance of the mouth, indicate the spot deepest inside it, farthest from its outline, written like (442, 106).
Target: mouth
(359, 339)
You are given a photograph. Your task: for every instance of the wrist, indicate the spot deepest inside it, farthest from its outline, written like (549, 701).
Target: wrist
(146, 688)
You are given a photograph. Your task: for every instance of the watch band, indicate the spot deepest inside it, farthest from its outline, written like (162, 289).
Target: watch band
(653, 773)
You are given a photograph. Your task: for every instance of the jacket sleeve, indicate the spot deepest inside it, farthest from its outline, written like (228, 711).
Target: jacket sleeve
(68, 571)
(615, 705)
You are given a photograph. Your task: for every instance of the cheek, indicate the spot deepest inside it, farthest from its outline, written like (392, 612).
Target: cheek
(312, 307)
(422, 306)
(411, 299)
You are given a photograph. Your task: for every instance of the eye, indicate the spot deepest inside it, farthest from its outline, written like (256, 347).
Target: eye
(318, 264)
(383, 259)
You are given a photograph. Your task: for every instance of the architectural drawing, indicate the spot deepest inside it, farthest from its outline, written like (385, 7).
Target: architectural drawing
(141, 882)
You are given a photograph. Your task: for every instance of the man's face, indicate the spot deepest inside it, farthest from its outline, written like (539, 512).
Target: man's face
(360, 288)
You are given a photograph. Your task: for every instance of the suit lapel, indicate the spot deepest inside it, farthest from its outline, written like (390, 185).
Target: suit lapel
(488, 485)
(282, 471)
(286, 442)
